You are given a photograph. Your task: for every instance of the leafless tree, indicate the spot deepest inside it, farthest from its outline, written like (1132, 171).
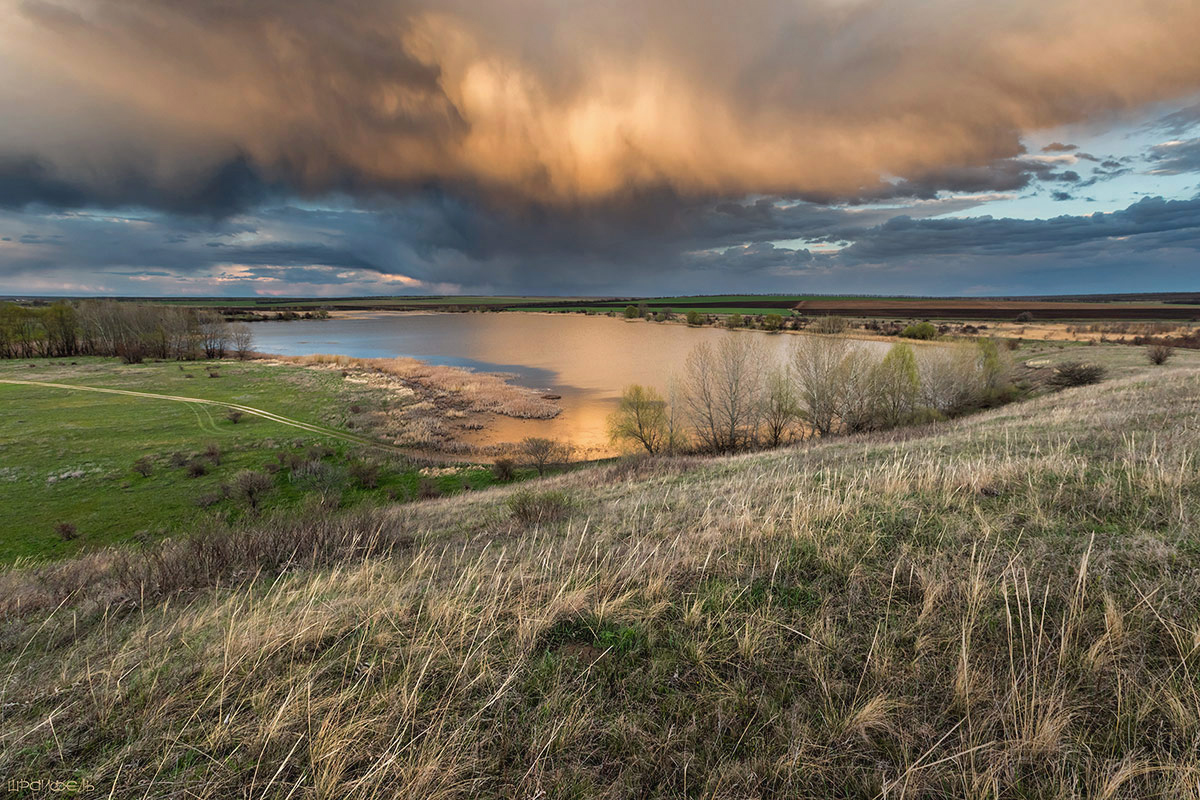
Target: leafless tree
(539, 452)
(819, 368)
(722, 389)
(243, 340)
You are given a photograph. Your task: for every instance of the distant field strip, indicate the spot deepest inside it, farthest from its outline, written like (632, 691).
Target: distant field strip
(197, 401)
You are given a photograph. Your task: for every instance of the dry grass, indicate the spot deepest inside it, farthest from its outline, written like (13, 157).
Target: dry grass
(1005, 606)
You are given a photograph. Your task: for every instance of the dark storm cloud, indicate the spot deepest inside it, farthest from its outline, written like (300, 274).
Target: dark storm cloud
(1149, 224)
(205, 106)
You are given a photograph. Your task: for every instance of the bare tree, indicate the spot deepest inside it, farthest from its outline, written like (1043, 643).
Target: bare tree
(243, 339)
(950, 378)
(722, 389)
(818, 365)
(540, 452)
(214, 334)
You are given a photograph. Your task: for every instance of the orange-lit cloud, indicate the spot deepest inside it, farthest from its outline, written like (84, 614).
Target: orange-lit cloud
(564, 103)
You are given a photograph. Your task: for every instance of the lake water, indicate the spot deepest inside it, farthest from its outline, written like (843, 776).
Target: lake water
(587, 360)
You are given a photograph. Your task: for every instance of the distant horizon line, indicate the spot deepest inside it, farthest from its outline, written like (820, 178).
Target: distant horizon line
(604, 297)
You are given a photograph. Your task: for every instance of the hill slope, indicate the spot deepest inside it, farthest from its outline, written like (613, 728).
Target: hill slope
(1006, 606)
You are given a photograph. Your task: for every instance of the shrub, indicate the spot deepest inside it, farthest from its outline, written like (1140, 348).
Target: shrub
(539, 452)
(66, 530)
(504, 470)
(532, 508)
(1077, 373)
(922, 330)
(1012, 344)
(213, 453)
(830, 325)
(234, 416)
(1025, 316)
(631, 312)
(143, 466)
(365, 474)
(250, 486)
(214, 374)
(692, 317)
(196, 468)
(208, 499)
(1159, 353)
(772, 322)
(734, 321)
(318, 452)
(427, 489)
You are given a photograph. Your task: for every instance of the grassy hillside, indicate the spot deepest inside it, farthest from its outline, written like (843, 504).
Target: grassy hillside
(1005, 606)
(71, 457)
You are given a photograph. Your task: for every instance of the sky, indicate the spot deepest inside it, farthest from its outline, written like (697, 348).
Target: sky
(627, 147)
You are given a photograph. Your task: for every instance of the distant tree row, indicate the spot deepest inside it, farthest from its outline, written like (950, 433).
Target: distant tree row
(733, 396)
(129, 331)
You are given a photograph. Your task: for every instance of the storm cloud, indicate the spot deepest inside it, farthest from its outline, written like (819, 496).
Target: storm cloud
(207, 105)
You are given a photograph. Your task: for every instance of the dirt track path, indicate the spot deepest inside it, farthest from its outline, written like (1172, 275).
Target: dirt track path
(320, 430)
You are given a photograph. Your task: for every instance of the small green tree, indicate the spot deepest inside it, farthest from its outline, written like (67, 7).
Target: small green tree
(781, 407)
(772, 322)
(992, 365)
(922, 330)
(631, 312)
(641, 418)
(898, 385)
(693, 317)
(734, 321)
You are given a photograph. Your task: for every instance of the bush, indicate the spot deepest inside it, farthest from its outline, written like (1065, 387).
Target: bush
(143, 466)
(631, 312)
(692, 317)
(213, 453)
(532, 508)
(234, 416)
(734, 321)
(427, 489)
(66, 530)
(504, 470)
(830, 325)
(1077, 373)
(196, 468)
(1159, 353)
(1024, 316)
(209, 499)
(365, 474)
(772, 322)
(250, 486)
(922, 330)
(540, 453)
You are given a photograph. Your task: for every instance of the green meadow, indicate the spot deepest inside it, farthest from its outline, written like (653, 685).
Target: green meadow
(80, 468)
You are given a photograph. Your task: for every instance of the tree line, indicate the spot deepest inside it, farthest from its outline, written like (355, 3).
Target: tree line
(733, 396)
(129, 331)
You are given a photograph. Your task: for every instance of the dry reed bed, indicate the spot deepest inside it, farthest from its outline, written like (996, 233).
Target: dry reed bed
(474, 391)
(1006, 606)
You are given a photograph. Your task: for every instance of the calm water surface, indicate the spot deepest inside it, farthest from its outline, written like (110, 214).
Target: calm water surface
(587, 360)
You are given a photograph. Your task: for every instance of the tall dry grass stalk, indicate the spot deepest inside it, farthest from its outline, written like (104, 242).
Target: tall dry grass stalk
(1006, 606)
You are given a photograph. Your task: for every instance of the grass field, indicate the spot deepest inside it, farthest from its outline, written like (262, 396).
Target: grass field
(1004, 606)
(69, 456)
